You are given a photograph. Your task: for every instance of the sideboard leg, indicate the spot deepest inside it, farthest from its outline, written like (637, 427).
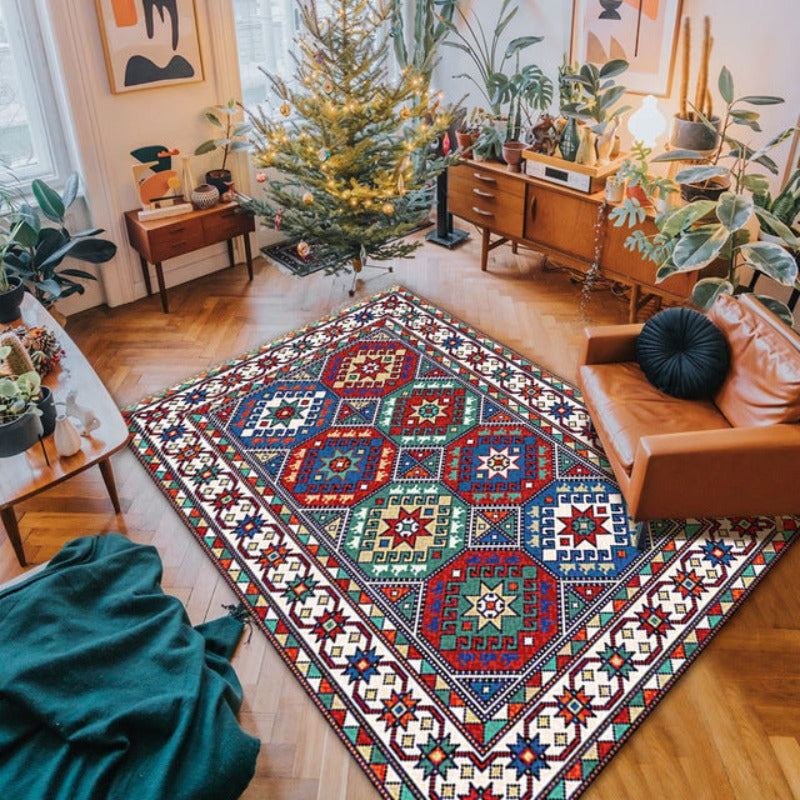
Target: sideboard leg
(111, 485)
(146, 274)
(485, 249)
(162, 289)
(633, 307)
(514, 248)
(12, 529)
(231, 261)
(248, 256)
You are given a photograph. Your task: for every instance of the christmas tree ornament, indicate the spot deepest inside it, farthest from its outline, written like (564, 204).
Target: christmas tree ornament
(319, 57)
(261, 177)
(278, 219)
(324, 154)
(303, 249)
(308, 199)
(387, 209)
(405, 112)
(285, 109)
(328, 87)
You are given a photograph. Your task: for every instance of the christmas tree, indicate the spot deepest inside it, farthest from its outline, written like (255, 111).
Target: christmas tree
(346, 141)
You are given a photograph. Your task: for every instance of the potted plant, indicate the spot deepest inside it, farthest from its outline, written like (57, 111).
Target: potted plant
(20, 424)
(689, 132)
(233, 139)
(693, 236)
(641, 188)
(11, 287)
(468, 130)
(36, 251)
(489, 144)
(784, 207)
(595, 106)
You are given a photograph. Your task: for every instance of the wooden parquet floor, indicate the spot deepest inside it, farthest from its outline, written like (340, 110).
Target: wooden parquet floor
(730, 728)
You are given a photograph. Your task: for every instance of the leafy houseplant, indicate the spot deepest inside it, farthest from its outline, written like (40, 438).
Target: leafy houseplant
(599, 93)
(489, 144)
(693, 236)
(36, 251)
(20, 425)
(233, 139)
(641, 186)
(430, 28)
(785, 206)
(11, 287)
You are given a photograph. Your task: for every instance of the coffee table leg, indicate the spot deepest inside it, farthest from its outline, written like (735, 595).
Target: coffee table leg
(162, 289)
(248, 256)
(146, 273)
(111, 486)
(231, 261)
(12, 529)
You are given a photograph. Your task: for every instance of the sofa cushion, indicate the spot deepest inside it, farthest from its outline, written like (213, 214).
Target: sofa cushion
(763, 382)
(683, 353)
(625, 407)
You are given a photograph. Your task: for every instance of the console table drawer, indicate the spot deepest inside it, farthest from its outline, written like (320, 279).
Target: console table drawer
(501, 212)
(468, 178)
(232, 222)
(175, 239)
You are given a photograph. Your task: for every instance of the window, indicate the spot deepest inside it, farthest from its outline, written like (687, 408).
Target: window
(32, 140)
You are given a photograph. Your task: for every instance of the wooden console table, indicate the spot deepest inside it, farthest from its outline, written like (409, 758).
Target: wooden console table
(28, 473)
(165, 238)
(562, 223)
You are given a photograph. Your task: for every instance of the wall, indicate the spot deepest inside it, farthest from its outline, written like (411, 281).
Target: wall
(107, 127)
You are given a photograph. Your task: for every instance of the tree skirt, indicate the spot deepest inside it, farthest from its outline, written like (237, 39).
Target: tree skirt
(426, 528)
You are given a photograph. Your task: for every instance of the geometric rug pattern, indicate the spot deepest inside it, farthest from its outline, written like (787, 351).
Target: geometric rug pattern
(424, 525)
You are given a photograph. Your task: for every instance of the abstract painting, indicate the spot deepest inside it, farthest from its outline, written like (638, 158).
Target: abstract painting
(643, 32)
(150, 43)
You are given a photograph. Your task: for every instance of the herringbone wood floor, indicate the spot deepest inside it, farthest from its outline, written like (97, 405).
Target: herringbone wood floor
(729, 729)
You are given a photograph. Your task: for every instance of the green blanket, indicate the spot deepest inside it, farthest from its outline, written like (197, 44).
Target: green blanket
(106, 691)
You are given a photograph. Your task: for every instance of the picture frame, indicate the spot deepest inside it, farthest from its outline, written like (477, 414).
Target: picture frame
(643, 32)
(150, 43)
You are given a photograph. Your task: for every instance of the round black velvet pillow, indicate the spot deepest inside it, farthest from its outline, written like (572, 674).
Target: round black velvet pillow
(683, 353)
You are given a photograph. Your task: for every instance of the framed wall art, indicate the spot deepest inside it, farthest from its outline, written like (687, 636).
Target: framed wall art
(643, 32)
(150, 43)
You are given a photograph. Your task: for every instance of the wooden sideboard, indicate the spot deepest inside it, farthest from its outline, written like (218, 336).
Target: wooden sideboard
(562, 223)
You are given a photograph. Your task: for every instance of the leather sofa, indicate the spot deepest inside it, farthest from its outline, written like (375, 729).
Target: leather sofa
(736, 454)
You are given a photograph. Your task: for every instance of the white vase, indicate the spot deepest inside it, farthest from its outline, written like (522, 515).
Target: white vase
(66, 437)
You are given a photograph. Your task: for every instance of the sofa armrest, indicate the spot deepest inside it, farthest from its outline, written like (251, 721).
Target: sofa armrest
(608, 344)
(717, 473)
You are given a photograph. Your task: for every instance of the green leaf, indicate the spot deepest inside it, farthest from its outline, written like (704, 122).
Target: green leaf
(206, 147)
(242, 129)
(699, 248)
(25, 236)
(240, 147)
(756, 183)
(520, 43)
(48, 200)
(78, 273)
(679, 155)
(733, 210)
(760, 100)
(683, 217)
(700, 174)
(70, 190)
(725, 84)
(49, 286)
(777, 226)
(707, 290)
(95, 251)
(611, 97)
(614, 67)
(771, 259)
(665, 270)
(780, 310)
(214, 119)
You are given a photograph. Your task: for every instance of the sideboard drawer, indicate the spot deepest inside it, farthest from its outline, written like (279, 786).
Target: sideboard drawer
(231, 222)
(174, 239)
(488, 199)
(469, 177)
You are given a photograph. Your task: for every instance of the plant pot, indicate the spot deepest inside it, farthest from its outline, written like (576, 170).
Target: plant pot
(204, 196)
(512, 155)
(220, 178)
(614, 189)
(570, 140)
(19, 434)
(465, 141)
(688, 135)
(708, 190)
(11, 299)
(637, 193)
(47, 406)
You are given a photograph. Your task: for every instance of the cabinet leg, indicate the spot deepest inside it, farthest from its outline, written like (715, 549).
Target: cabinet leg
(231, 261)
(514, 248)
(485, 249)
(111, 486)
(12, 529)
(248, 256)
(633, 307)
(162, 289)
(146, 274)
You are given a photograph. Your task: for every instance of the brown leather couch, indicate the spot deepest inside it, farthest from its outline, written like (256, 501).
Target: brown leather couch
(737, 454)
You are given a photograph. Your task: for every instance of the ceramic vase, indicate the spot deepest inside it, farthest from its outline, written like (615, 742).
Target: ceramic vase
(512, 155)
(605, 143)
(586, 153)
(570, 140)
(66, 437)
(614, 189)
(204, 196)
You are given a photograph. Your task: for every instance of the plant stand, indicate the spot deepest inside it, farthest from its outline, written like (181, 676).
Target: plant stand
(358, 267)
(445, 234)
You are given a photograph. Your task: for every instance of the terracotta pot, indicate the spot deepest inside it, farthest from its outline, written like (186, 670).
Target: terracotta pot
(709, 190)
(512, 155)
(637, 193)
(465, 141)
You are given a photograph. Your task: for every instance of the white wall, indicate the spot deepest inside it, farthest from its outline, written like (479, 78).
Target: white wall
(758, 42)
(109, 126)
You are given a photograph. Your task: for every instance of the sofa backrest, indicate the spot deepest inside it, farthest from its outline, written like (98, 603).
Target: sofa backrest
(763, 384)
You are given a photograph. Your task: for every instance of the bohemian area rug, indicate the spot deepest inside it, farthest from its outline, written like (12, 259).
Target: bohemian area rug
(425, 527)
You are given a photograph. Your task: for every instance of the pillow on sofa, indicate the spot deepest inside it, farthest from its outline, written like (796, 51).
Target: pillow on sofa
(683, 353)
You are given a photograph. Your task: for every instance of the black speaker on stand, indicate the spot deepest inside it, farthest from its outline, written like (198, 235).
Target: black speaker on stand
(445, 234)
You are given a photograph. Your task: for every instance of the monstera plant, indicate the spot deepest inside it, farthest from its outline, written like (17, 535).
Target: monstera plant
(694, 235)
(37, 250)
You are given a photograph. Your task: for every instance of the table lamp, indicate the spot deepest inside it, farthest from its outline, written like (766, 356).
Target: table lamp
(647, 123)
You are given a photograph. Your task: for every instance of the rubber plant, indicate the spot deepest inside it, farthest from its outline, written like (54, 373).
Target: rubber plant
(36, 250)
(233, 138)
(694, 235)
(599, 93)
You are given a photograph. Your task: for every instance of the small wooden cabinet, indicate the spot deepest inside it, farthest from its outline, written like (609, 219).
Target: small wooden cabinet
(165, 238)
(560, 222)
